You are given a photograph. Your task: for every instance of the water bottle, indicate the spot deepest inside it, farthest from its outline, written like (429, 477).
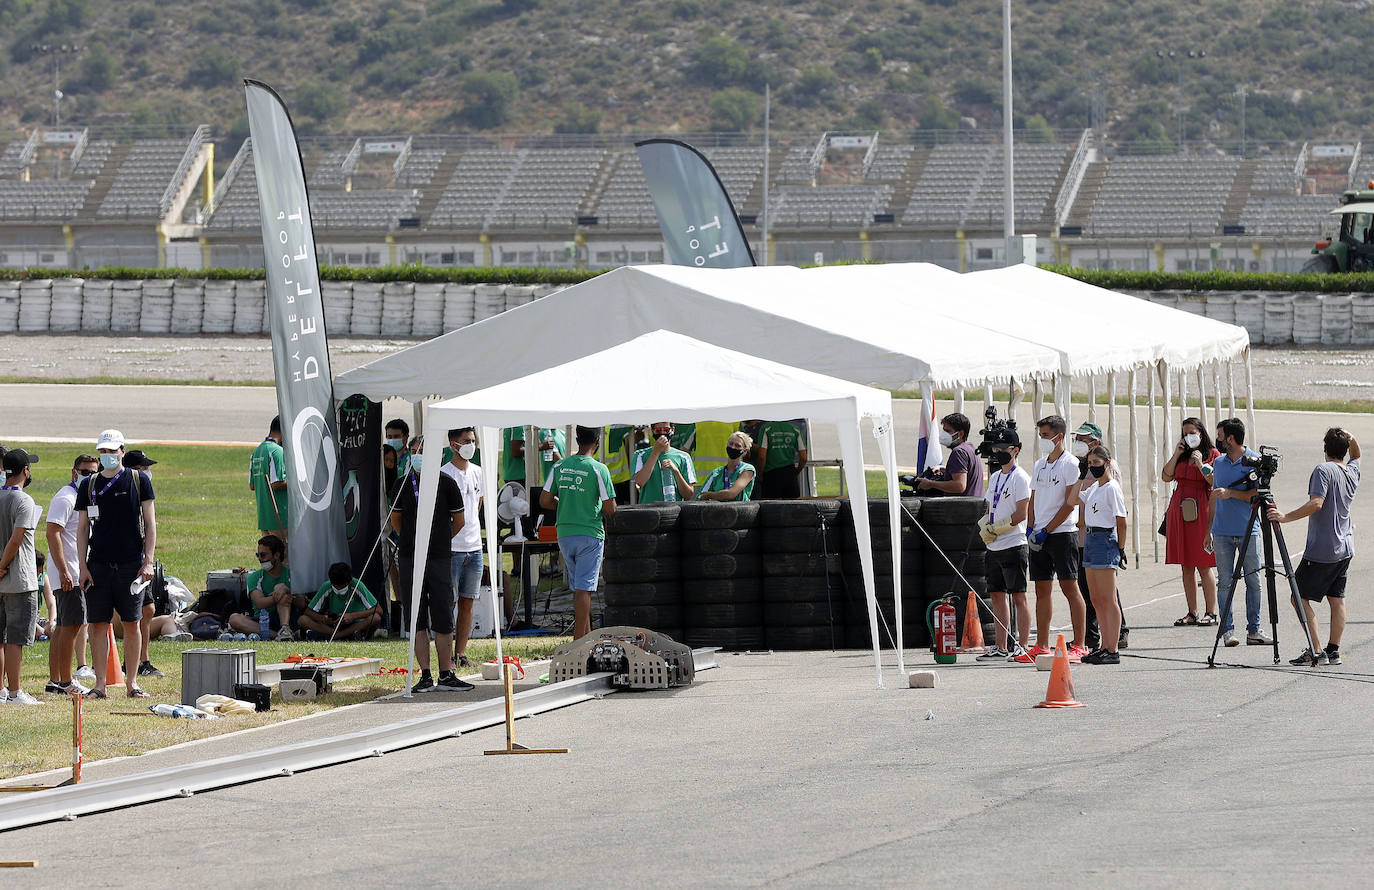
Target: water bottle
(264, 624)
(669, 485)
(548, 452)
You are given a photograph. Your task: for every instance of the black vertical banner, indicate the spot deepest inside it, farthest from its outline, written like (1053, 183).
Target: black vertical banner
(360, 458)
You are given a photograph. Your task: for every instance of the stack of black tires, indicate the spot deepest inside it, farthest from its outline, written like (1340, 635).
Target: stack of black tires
(909, 585)
(803, 595)
(722, 583)
(952, 524)
(642, 569)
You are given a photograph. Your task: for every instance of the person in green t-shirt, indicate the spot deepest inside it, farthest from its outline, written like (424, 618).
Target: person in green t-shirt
(662, 472)
(343, 607)
(580, 490)
(553, 444)
(267, 479)
(735, 480)
(269, 587)
(782, 453)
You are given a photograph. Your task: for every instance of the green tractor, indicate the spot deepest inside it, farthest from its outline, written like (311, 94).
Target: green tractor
(1353, 249)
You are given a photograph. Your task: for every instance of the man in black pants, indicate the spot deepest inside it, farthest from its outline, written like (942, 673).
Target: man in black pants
(1087, 437)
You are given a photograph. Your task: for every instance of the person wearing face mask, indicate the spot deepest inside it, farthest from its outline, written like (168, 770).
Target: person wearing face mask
(735, 480)
(118, 522)
(137, 460)
(343, 608)
(1104, 521)
(18, 573)
(267, 479)
(961, 474)
(1003, 529)
(580, 491)
(269, 587)
(467, 544)
(1230, 511)
(662, 472)
(397, 435)
(1053, 537)
(1087, 437)
(70, 635)
(1186, 521)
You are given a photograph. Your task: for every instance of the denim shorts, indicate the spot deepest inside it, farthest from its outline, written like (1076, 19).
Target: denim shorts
(582, 553)
(467, 574)
(1100, 550)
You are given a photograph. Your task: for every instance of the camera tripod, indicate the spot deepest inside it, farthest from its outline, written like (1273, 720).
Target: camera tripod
(1260, 503)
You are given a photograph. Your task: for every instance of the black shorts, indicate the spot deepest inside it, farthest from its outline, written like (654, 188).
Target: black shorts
(1006, 570)
(1317, 580)
(71, 607)
(1057, 557)
(109, 592)
(782, 483)
(436, 593)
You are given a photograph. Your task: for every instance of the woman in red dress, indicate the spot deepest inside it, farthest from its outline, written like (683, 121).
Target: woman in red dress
(1186, 521)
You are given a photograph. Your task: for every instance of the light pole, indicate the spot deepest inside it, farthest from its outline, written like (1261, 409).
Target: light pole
(56, 51)
(1008, 194)
(1177, 57)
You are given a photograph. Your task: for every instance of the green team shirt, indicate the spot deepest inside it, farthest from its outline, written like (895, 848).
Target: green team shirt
(268, 465)
(717, 481)
(581, 483)
(782, 440)
(653, 490)
(327, 602)
(260, 580)
(684, 436)
(514, 467)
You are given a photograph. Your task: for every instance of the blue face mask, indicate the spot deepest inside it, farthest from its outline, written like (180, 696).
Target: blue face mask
(109, 461)
(397, 444)
(416, 460)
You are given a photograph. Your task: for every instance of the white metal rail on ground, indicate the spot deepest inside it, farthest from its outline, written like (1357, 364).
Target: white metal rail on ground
(70, 801)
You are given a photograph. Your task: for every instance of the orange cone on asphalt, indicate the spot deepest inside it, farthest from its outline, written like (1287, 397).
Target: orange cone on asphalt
(1060, 693)
(973, 628)
(114, 674)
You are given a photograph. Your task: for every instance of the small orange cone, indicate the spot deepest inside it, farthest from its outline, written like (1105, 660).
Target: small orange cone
(114, 674)
(1060, 693)
(973, 628)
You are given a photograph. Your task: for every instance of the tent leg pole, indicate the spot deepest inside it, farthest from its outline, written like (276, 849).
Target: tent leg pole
(1135, 473)
(1253, 434)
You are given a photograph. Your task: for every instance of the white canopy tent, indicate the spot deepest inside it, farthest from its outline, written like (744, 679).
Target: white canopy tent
(706, 382)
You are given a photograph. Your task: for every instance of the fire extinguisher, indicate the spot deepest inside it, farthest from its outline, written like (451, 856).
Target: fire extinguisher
(945, 631)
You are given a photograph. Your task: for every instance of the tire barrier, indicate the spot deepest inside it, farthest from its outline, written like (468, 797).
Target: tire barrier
(641, 569)
(722, 574)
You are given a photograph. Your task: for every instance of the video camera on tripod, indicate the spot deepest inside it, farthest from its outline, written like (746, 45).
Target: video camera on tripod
(997, 432)
(1263, 466)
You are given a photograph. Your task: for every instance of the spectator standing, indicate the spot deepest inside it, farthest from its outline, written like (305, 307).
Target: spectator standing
(581, 492)
(1053, 538)
(69, 637)
(1004, 532)
(115, 543)
(553, 444)
(398, 437)
(961, 474)
(1230, 512)
(1186, 521)
(18, 572)
(269, 587)
(1087, 437)
(267, 479)
(735, 480)
(343, 607)
(662, 472)
(782, 450)
(137, 460)
(1104, 519)
(436, 585)
(467, 543)
(1330, 540)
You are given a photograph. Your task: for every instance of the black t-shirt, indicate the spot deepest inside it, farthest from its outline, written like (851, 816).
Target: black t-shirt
(117, 535)
(448, 500)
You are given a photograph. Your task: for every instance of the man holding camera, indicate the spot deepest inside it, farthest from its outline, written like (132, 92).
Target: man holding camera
(1053, 538)
(1330, 540)
(961, 474)
(1230, 510)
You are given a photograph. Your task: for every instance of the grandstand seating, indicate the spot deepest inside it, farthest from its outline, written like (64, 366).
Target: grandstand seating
(420, 166)
(45, 201)
(9, 159)
(545, 186)
(1305, 215)
(1274, 175)
(142, 179)
(328, 171)
(625, 200)
(1164, 195)
(962, 184)
(828, 205)
(889, 162)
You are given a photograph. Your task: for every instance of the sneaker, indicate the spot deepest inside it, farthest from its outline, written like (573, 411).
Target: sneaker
(465, 662)
(226, 637)
(285, 636)
(1307, 659)
(85, 672)
(996, 653)
(56, 688)
(380, 634)
(146, 669)
(1229, 638)
(1123, 641)
(424, 684)
(1077, 652)
(240, 638)
(1105, 657)
(449, 682)
(1333, 656)
(4, 695)
(20, 697)
(254, 638)
(1257, 638)
(1028, 656)
(180, 636)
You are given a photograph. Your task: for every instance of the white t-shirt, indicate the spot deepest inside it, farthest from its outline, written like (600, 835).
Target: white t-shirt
(470, 485)
(1102, 503)
(1051, 483)
(1004, 491)
(61, 512)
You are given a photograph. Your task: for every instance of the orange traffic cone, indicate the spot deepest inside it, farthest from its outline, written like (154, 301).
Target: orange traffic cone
(1060, 693)
(114, 674)
(973, 628)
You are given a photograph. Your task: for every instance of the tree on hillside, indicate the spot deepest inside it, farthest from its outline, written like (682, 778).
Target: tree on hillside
(734, 110)
(578, 118)
(488, 97)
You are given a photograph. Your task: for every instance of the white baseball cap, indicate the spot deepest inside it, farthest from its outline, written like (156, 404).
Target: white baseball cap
(110, 439)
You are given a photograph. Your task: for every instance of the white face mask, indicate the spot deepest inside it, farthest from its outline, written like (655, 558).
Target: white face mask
(946, 439)
(467, 450)
(1046, 446)
(1080, 449)
(1192, 440)
(266, 566)
(341, 591)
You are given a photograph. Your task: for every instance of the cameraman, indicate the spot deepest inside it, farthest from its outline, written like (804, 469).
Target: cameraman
(961, 474)
(1330, 540)
(1230, 508)
(1003, 530)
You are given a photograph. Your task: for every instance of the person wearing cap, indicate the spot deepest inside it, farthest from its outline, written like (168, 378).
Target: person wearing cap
(18, 572)
(267, 479)
(1003, 530)
(69, 637)
(343, 607)
(1087, 437)
(137, 460)
(115, 543)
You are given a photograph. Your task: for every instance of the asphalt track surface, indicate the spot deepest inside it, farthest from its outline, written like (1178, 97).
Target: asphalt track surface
(792, 769)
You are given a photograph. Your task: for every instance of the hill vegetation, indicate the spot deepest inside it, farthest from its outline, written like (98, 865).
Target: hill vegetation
(579, 66)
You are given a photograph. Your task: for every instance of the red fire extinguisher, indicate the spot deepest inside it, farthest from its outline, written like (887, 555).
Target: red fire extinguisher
(946, 632)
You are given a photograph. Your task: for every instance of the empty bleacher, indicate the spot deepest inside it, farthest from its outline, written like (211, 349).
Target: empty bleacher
(545, 187)
(142, 179)
(1162, 195)
(476, 184)
(889, 162)
(419, 167)
(828, 205)
(1304, 215)
(1275, 175)
(962, 184)
(42, 201)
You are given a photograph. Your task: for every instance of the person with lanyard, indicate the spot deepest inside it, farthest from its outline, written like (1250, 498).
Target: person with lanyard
(961, 474)
(735, 480)
(1003, 530)
(115, 545)
(398, 436)
(343, 607)
(782, 451)
(1053, 537)
(1230, 512)
(581, 493)
(1087, 437)
(267, 480)
(19, 584)
(69, 637)
(662, 472)
(1104, 519)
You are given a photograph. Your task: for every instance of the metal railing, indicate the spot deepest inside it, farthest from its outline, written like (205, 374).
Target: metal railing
(188, 158)
(227, 179)
(1068, 190)
(813, 165)
(870, 154)
(1354, 167)
(1300, 166)
(402, 157)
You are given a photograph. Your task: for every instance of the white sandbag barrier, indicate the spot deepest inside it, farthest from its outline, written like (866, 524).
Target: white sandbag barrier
(9, 306)
(337, 298)
(126, 305)
(156, 317)
(460, 302)
(66, 305)
(518, 295)
(1250, 315)
(250, 307)
(398, 303)
(188, 305)
(97, 297)
(367, 309)
(489, 300)
(35, 305)
(1307, 319)
(217, 316)
(427, 318)
(1336, 319)
(1278, 318)
(1362, 319)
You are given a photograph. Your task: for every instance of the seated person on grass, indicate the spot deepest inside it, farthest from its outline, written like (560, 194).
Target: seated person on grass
(269, 587)
(343, 607)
